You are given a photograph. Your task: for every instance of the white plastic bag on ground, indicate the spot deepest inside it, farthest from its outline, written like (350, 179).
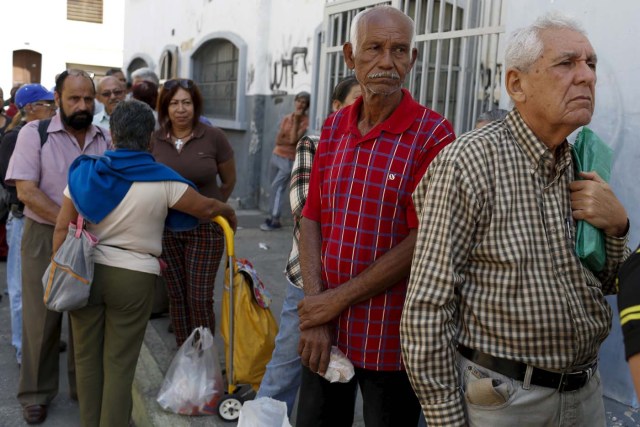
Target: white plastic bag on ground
(193, 383)
(340, 368)
(263, 412)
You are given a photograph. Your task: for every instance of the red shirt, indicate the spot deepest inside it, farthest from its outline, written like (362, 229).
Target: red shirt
(360, 193)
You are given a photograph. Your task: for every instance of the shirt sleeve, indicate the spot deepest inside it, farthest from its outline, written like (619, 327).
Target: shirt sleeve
(311, 208)
(300, 175)
(447, 222)
(175, 191)
(629, 303)
(442, 134)
(223, 147)
(617, 252)
(25, 161)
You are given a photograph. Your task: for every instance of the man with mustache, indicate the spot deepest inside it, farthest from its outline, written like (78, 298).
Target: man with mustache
(110, 92)
(39, 172)
(359, 227)
(503, 323)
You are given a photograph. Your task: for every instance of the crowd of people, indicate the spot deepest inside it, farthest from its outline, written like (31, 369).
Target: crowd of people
(442, 267)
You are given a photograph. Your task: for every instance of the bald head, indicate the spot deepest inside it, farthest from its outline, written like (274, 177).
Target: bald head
(110, 92)
(362, 18)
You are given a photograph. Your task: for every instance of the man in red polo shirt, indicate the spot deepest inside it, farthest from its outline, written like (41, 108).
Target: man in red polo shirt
(359, 230)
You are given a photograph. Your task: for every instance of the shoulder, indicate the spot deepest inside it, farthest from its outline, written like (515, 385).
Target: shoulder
(476, 150)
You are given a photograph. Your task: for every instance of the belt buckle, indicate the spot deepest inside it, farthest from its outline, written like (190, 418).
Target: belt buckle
(564, 378)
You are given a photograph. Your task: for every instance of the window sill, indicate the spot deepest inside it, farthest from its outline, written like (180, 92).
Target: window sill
(228, 124)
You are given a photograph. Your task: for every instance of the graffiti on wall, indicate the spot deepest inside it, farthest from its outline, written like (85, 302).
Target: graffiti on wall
(285, 70)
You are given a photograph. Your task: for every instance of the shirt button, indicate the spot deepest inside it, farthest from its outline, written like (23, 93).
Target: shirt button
(553, 229)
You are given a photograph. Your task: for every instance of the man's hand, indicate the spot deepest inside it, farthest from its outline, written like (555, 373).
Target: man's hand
(315, 348)
(593, 201)
(315, 310)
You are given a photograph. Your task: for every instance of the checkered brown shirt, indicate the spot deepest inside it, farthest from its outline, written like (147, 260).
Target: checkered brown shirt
(300, 174)
(495, 268)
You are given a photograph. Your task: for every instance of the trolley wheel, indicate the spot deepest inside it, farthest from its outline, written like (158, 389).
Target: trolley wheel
(229, 408)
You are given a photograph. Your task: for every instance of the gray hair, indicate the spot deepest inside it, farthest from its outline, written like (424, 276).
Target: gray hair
(146, 74)
(353, 34)
(525, 45)
(131, 125)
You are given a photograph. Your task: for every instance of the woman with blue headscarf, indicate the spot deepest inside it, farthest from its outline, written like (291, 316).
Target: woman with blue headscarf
(127, 200)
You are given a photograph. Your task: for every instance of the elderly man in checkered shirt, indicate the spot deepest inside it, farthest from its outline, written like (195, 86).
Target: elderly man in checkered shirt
(358, 231)
(502, 323)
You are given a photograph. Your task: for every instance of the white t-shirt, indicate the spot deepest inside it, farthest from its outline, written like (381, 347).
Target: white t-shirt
(131, 235)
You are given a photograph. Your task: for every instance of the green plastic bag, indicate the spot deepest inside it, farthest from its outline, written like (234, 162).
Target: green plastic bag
(591, 154)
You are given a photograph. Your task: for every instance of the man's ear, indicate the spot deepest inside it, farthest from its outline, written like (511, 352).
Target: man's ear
(414, 57)
(56, 98)
(513, 82)
(347, 52)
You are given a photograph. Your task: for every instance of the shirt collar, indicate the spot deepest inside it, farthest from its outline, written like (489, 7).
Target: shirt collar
(537, 152)
(399, 121)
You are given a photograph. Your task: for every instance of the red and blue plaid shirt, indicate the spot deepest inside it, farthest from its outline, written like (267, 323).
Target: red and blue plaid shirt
(360, 193)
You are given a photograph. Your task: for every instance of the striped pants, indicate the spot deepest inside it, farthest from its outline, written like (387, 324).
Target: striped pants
(193, 258)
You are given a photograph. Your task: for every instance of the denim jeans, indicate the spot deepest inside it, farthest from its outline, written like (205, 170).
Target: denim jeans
(14, 280)
(281, 167)
(282, 378)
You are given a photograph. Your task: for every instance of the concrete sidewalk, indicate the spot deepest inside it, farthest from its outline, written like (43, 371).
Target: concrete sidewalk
(160, 346)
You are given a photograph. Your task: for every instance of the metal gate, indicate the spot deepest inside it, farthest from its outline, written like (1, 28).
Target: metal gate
(459, 68)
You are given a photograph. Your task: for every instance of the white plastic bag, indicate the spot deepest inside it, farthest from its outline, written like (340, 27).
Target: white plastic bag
(340, 368)
(264, 412)
(193, 384)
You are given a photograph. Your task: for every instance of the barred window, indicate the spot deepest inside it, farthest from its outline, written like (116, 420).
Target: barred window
(216, 72)
(459, 68)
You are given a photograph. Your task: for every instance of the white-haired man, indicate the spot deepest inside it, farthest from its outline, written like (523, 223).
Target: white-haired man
(359, 228)
(502, 322)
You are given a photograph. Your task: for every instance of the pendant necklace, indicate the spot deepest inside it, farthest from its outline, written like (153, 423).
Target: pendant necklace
(179, 142)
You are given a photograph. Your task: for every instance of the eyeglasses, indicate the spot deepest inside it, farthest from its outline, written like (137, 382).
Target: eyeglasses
(45, 105)
(108, 93)
(183, 83)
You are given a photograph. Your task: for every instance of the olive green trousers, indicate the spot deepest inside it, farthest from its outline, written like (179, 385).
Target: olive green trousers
(108, 335)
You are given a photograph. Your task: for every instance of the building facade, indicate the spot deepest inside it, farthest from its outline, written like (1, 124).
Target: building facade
(42, 38)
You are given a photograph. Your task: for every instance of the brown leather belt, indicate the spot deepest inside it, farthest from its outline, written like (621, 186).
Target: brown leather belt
(563, 382)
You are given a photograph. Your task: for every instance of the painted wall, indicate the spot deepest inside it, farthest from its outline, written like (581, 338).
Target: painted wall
(60, 41)
(272, 30)
(611, 30)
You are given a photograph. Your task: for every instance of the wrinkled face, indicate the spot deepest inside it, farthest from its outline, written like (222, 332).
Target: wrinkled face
(110, 92)
(41, 110)
(559, 88)
(384, 56)
(181, 109)
(76, 102)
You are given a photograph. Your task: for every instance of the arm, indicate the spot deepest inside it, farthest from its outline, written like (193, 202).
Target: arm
(67, 213)
(428, 326)
(298, 128)
(300, 175)
(37, 201)
(593, 200)
(315, 343)
(385, 272)
(202, 207)
(227, 172)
